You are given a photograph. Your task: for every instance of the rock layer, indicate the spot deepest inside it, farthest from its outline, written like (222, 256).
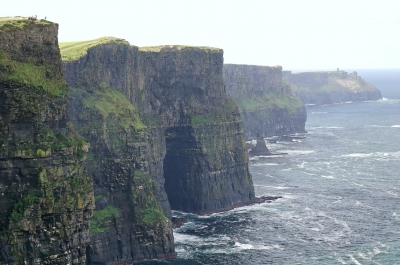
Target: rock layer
(319, 88)
(46, 196)
(267, 106)
(192, 140)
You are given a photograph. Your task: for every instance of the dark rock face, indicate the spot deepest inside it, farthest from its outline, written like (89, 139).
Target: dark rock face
(46, 198)
(267, 106)
(320, 88)
(193, 141)
(128, 223)
(260, 148)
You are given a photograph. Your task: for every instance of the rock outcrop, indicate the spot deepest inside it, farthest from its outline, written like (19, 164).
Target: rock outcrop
(318, 88)
(46, 196)
(260, 148)
(267, 106)
(184, 134)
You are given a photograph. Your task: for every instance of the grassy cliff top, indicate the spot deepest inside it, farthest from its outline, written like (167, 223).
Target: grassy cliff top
(252, 65)
(12, 23)
(71, 51)
(177, 47)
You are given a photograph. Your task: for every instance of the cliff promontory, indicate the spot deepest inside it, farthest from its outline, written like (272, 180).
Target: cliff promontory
(46, 196)
(267, 106)
(319, 88)
(164, 135)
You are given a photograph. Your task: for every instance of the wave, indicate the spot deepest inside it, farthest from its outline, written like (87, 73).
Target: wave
(298, 152)
(319, 112)
(395, 126)
(375, 154)
(328, 177)
(274, 187)
(354, 260)
(258, 247)
(328, 127)
(266, 164)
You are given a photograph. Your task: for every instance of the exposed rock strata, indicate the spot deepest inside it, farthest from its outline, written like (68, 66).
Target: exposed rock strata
(267, 106)
(46, 196)
(330, 87)
(193, 141)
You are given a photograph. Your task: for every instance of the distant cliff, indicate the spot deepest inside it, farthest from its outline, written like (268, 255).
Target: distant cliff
(172, 126)
(267, 106)
(330, 87)
(46, 196)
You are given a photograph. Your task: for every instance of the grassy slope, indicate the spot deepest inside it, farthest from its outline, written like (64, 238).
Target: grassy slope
(71, 51)
(269, 101)
(31, 71)
(112, 105)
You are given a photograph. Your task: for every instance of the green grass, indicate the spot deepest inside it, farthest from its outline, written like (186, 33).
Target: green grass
(178, 47)
(23, 204)
(31, 74)
(13, 23)
(71, 51)
(269, 101)
(151, 211)
(113, 105)
(101, 219)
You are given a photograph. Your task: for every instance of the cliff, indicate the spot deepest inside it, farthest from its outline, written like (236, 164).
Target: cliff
(186, 140)
(46, 198)
(319, 88)
(267, 106)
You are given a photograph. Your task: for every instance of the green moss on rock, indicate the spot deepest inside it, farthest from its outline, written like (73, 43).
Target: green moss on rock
(112, 105)
(102, 219)
(31, 73)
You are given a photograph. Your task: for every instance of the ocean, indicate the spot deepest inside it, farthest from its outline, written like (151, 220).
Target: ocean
(340, 189)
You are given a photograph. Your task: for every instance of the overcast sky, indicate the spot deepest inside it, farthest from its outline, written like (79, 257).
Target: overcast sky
(297, 34)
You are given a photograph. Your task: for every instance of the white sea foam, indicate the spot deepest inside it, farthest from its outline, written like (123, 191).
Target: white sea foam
(258, 247)
(361, 185)
(274, 187)
(328, 177)
(182, 238)
(319, 112)
(354, 260)
(395, 126)
(265, 164)
(342, 261)
(375, 154)
(298, 152)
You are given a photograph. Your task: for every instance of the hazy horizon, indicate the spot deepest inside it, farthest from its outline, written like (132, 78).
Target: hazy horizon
(307, 34)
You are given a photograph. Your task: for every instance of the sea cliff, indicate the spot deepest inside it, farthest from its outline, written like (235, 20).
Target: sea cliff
(46, 196)
(318, 88)
(267, 106)
(173, 136)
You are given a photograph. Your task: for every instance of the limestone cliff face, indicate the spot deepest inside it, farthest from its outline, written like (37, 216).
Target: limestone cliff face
(267, 106)
(46, 196)
(128, 222)
(191, 150)
(330, 87)
(206, 164)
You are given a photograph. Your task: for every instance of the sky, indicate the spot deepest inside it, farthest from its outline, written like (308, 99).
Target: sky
(296, 34)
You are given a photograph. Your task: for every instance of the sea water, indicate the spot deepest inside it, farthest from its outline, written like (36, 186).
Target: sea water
(340, 184)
